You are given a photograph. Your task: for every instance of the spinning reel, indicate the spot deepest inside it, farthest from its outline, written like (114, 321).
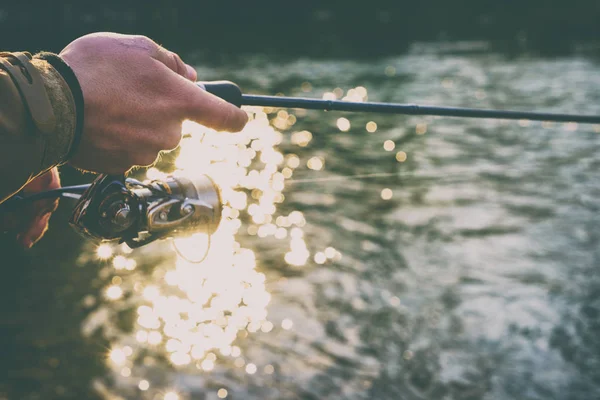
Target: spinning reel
(114, 208)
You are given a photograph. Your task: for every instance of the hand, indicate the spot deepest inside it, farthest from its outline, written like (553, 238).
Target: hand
(29, 223)
(136, 96)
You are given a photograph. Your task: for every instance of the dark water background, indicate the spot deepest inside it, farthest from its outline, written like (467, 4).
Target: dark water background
(478, 279)
(311, 27)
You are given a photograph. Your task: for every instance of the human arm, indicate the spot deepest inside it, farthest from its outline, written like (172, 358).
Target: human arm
(37, 120)
(135, 96)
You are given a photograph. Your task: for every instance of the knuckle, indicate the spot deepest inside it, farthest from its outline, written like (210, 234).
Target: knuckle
(176, 58)
(181, 68)
(142, 39)
(174, 61)
(144, 43)
(167, 58)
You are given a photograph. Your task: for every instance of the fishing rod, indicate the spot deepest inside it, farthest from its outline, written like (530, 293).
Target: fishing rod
(231, 93)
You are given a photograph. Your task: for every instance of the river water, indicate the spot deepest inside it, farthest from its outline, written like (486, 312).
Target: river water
(432, 258)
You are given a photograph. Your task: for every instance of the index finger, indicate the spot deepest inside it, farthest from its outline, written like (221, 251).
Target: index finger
(212, 111)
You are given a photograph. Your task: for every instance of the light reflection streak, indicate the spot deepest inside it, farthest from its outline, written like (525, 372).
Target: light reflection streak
(192, 314)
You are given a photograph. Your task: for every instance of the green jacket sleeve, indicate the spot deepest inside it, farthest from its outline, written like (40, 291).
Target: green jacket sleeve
(38, 119)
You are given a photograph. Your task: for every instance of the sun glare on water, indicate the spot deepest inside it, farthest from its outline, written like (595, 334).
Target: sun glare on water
(192, 314)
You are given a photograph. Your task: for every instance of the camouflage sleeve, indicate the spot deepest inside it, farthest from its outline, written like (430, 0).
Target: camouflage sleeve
(41, 111)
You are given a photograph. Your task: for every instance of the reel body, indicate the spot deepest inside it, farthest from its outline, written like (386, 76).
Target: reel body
(115, 208)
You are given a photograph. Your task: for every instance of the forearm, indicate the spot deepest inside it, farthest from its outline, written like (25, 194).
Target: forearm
(38, 119)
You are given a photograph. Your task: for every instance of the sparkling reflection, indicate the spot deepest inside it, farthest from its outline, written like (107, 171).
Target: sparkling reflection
(386, 194)
(104, 251)
(192, 313)
(401, 156)
(371, 126)
(322, 343)
(343, 124)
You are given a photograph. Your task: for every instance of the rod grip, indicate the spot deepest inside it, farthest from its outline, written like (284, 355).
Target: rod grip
(228, 91)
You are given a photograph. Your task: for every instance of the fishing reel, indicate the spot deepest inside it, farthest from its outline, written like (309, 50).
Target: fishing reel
(137, 213)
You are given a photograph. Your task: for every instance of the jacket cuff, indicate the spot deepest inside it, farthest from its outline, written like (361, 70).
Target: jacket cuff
(71, 79)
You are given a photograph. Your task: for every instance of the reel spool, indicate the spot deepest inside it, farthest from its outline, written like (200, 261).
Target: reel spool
(127, 210)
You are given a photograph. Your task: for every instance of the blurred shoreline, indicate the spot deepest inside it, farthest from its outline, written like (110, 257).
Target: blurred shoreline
(311, 28)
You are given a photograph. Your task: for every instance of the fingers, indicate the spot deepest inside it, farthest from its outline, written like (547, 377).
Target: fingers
(29, 224)
(33, 220)
(175, 63)
(211, 111)
(35, 231)
(47, 181)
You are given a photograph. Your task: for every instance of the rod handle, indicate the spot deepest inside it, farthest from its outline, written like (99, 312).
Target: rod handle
(228, 91)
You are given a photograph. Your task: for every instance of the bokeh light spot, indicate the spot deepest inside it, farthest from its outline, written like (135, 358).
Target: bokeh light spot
(250, 369)
(320, 258)
(315, 163)
(421, 129)
(371, 126)
(386, 194)
(269, 369)
(114, 292)
(104, 251)
(301, 138)
(287, 324)
(401, 156)
(171, 396)
(571, 126)
(117, 356)
(343, 124)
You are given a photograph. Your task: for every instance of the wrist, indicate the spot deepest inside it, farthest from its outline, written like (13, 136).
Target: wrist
(73, 83)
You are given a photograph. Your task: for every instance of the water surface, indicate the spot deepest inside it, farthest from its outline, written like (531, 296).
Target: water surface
(463, 262)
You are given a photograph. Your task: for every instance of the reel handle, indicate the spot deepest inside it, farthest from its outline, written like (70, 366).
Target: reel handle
(228, 91)
(107, 210)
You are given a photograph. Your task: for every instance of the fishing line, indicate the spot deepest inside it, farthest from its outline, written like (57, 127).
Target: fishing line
(408, 180)
(184, 256)
(346, 177)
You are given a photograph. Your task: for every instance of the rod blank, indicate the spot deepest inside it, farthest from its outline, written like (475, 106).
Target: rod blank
(411, 109)
(231, 93)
